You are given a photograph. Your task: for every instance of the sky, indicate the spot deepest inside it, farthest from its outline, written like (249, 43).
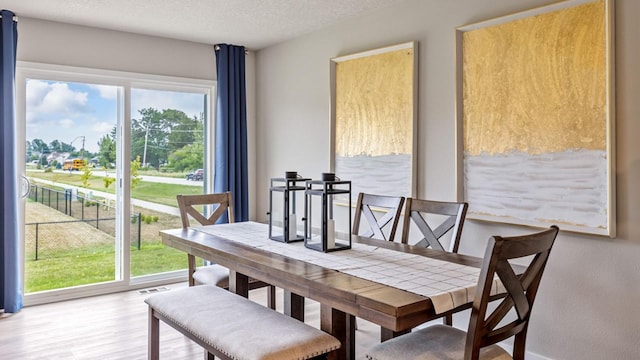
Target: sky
(67, 111)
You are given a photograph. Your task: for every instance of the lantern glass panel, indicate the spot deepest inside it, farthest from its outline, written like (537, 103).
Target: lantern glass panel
(285, 205)
(328, 215)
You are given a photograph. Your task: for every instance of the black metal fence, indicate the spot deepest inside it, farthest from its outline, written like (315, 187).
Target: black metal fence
(56, 235)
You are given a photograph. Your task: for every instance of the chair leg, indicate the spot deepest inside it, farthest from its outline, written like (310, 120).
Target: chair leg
(448, 319)
(154, 337)
(192, 268)
(519, 343)
(271, 297)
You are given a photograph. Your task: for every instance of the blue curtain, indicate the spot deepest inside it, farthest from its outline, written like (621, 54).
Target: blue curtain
(10, 279)
(231, 170)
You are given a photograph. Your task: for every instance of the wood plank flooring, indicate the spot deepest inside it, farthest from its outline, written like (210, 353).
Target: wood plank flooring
(115, 327)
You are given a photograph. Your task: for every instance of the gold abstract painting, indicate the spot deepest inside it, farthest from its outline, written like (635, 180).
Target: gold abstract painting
(535, 108)
(373, 108)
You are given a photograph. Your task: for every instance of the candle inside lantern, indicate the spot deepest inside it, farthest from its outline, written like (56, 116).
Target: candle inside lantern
(293, 231)
(331, 234)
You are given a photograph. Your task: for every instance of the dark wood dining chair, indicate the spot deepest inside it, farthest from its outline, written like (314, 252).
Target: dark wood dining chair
(435, 219)
(194, 206)
(388, 209)
(510, 317)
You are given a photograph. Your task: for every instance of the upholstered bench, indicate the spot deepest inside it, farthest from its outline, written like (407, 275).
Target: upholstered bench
(229, 326)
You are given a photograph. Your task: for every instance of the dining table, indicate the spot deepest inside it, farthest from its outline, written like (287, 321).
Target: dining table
(393, 285)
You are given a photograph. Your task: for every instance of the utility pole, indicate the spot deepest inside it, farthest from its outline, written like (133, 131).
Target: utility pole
(82, 152)
(144, 154)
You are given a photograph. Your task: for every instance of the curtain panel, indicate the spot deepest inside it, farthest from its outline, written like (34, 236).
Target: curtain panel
(10, 278)
(231, 169)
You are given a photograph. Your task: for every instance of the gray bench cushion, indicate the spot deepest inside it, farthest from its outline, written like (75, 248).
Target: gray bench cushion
(239, 327)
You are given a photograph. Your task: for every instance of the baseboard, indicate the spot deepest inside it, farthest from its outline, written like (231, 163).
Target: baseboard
(529, 354)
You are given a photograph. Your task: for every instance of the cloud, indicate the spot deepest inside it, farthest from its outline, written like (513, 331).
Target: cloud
(102, 128)
(66, 123)
(106, 91)
(45, 98)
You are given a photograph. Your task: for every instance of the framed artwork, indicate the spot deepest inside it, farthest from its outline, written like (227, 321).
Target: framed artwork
(535, 117)
(374, 115)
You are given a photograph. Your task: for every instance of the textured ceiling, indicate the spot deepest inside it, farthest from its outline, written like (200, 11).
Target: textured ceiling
(253, 23)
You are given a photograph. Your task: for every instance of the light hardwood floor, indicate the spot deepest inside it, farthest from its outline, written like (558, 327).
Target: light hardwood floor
(115, 327)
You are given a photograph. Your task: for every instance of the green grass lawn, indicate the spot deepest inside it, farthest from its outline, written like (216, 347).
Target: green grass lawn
(95, 264)
(75, 262)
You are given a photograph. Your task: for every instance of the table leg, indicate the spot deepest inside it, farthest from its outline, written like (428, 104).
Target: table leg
(386, 334)
(238, 283)
(342, 326)
(294, 305)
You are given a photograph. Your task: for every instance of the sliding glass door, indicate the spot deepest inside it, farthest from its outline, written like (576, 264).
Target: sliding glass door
(105, 156)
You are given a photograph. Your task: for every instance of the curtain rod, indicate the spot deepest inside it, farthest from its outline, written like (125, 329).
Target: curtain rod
(246, 52)
(15, 18)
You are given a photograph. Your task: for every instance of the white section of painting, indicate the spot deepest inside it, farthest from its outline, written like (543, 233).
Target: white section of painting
(384, 174)
(567, 187)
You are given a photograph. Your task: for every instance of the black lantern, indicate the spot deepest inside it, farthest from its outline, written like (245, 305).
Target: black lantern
(288, 186)
(320, 198)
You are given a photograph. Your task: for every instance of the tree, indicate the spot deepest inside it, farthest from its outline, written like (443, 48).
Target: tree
(107, 152)
(188, 157)
(185, 131)
(149, 137)
(156, 134)
(39, 146)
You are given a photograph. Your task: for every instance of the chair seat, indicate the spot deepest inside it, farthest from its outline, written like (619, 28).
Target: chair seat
(212, 275)
(437, 342)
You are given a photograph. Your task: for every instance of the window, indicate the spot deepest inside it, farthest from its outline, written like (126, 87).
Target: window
(106, 153)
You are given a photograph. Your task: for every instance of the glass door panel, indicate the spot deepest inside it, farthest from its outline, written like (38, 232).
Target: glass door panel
(167, 159)
(70, 220)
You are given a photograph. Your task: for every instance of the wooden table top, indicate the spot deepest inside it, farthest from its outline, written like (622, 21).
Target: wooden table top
(392, 308)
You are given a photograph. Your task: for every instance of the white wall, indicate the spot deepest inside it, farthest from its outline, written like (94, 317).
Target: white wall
(586, 307)
(73, 45)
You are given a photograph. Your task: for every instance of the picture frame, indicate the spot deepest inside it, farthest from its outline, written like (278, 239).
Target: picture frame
(374, 119)
(535, 117)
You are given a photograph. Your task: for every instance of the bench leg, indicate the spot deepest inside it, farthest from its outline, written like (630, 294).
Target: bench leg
(342, 326)
(154, 336)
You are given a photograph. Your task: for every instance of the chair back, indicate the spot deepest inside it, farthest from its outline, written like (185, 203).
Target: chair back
(388, 209)
(434, 219)
(195, 205)
(521, 291)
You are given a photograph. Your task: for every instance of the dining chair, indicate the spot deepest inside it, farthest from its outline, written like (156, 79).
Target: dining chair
(194, 206)
(434, 219)
(509, 318)
(388, 209)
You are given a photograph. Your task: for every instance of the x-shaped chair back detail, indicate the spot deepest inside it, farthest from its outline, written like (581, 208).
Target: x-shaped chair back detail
(452, 215)
(223, 203)
(187, 205)
(388, 209)
(521, 291)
